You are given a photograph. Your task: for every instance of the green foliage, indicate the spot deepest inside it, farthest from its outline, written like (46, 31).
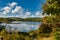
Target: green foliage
(48, 19)
(18, 36)
(52, 7)
(45, 29)
(33, 19)
(9, 20)
(57, 35)
(12, 36)
(2, 27)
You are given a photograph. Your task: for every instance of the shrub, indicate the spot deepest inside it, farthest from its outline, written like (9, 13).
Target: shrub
(57, 36)
(45, 29)
(2, 27)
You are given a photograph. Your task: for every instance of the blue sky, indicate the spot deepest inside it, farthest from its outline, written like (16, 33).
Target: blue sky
(21, 8)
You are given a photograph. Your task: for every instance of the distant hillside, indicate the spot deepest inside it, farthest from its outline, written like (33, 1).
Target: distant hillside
(33, 19)
(10, 19)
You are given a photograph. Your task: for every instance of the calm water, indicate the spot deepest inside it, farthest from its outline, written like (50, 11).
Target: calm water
(21, 26)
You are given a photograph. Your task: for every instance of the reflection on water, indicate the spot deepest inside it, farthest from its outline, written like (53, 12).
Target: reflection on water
(22, 26)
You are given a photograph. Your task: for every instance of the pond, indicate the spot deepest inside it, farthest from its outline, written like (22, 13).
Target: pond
(21, 26)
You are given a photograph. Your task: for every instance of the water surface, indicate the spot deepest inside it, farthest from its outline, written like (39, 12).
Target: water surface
(22, 26)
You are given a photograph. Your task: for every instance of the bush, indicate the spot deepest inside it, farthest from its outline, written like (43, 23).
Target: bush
(57, 36)
(2, 27)
(45, 29)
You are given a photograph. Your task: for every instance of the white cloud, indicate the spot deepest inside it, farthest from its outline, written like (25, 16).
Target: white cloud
(27, 13)
(32, 16)
(17, 9)
(9, 8)
(37, 13)
(12, 4)
(6, 10)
